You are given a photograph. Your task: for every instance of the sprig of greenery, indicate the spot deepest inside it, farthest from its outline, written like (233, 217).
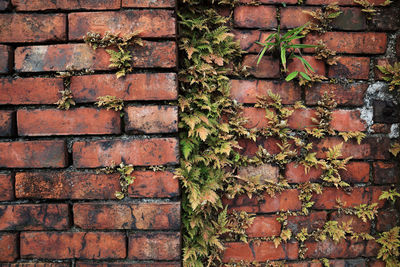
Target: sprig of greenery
(110, 102)
(66, 100)
(391, 75)
(284, 45)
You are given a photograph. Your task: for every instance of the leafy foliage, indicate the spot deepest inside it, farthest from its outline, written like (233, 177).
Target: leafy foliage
(390, 244)
(359, 136)
(322, 18)
(66, 100)
(395, 149)
(284, 45)
(120, 55)
(391, 195)
(391, 75)
(110, 102)
(125, 179)
(322, 52)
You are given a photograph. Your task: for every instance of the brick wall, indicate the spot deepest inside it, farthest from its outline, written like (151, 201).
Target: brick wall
(55, 210)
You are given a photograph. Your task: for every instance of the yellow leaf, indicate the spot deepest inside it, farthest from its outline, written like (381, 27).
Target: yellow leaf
(395, 149)
(202, 132)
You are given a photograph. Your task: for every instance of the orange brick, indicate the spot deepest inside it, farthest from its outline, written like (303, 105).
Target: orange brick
(8, 244)
(347, 121)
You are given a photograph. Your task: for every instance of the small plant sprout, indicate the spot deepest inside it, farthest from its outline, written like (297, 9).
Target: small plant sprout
(284, 46)
(391, 75)
(110, 102)
(66, 100)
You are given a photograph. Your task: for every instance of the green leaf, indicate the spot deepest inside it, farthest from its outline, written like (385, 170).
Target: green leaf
(283, 57)
(291, 76)
(305, 76)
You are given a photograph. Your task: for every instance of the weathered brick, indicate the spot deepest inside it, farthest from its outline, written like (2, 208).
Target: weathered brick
(351, 19)
(342, 2)
(302, 119)
(270, 1)
(386, 19)
(81, 56)
(380, 128)
(66, 185)
(79, 121)
(314, 263)
(154, 151)
(376, 263)
(141, 216)
(6, 122)
(34, 217)
(8, 245)
(6, 58)
(297, 65)
(268, 67)
(387, 219)
(154, 246)
(80, 185)
(358, 195)
(350, 68)
(372, 248)
(347, 95)
(287, 200)
(385, 173)
(385, 111)
(292, 17)
(255, 118)
(138, 86)
(29, 91)
(263, 17)
(4, 4)
(263, 251)
(150, 23)
(148, 3)
(264, 172)
(35, 264)
(33, 154)
(356, 172)
(151, 119)
(246, 91)
(264, 226)
(382, 62)
(351, 42)
(358, 225)
(315, 220)
(296, 173)
(39, 5)
(370, 148)
(129, 264)
(330, 249)
(32, 27)
(250, 148)
(6, 187)
(247, 39)
(68, 245)
(348, 121)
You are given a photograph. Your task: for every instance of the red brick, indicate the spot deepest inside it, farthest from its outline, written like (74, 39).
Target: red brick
(255, 17)
(33, 154)
(138, 86)
(268, 67)
(351, 42)
(6, 187)
(148, 3)
(154, 246)
(247, 39)
(386, 19)
(270, 1)
(29, 91)
(296, 65)
(66, 185)
(348, 262)
(68, 245)
(151, 23)
(34, 217)
(376, 263)
(356, 223)
(341, 2)
(292, 17)
(35, 264)
(372, 248)
(143, 152)
(265, 172)
(264, 226)
(8, 245)
(32, 27)
(6, 58)
(314, 263)
(351, 19)
(154, 184)
(386, 173)
(330, 249)
(287, 200)
(128, 264)
(80, 121)
(387, 219)
(356, 172)
(370, 148)
(358, 195)
(246, 91)
(250, 148)
(312, 222)
(348, 121)
(382, 62)
(6, 122)
(302, 118)
(345, 94)
(255, 118)
(264, 251)
(80, 185)
(141, 216)
(151, 119)
(295, 173)
(39, 5)
(81, 56)
(380, 128)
